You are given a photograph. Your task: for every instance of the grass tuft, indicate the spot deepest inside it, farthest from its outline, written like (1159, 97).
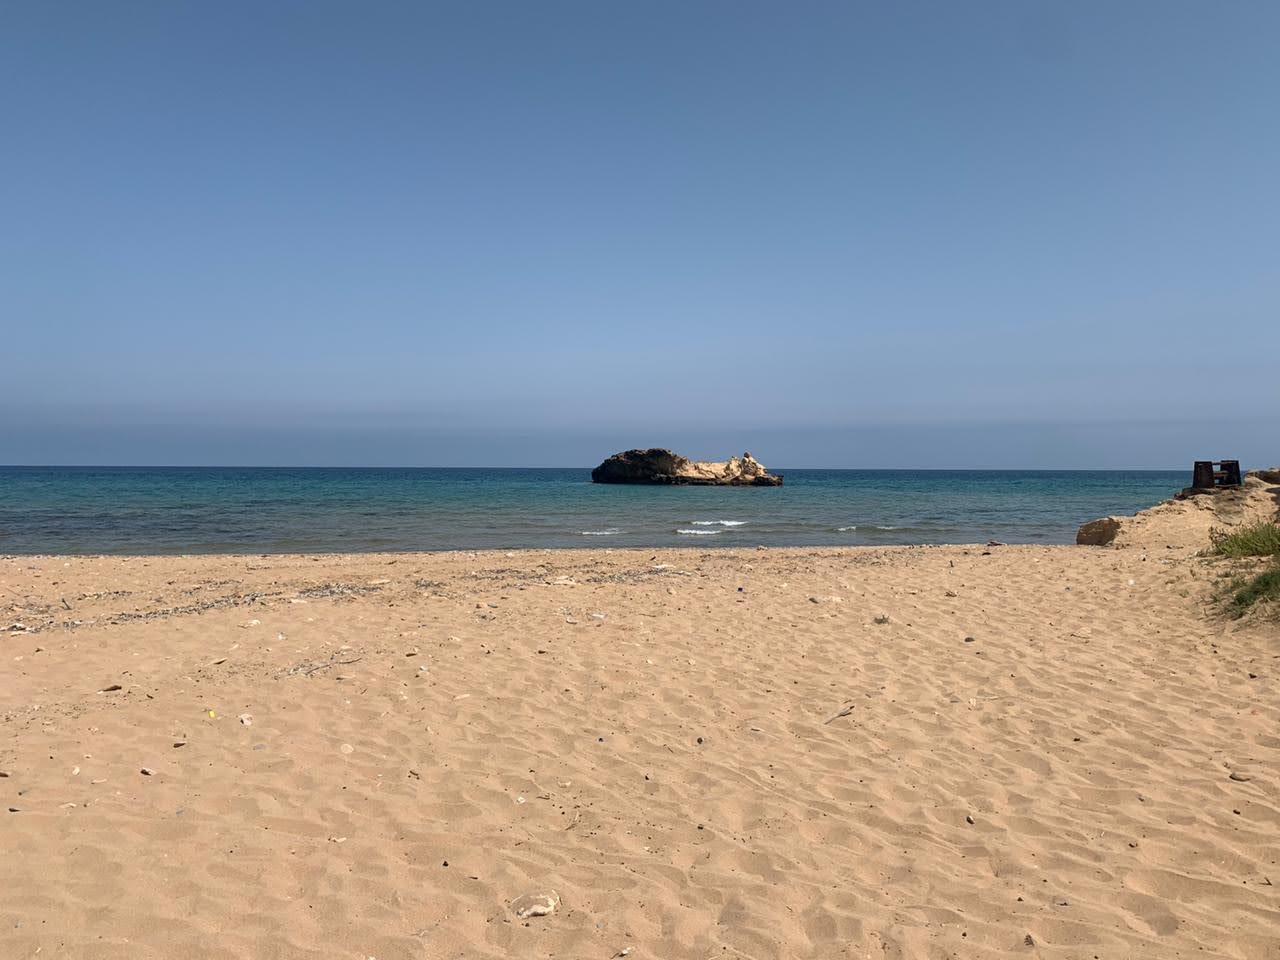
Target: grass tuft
(1258, 540)
(1264, 587)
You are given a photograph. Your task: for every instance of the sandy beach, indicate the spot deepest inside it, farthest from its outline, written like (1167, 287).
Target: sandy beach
(905, 752)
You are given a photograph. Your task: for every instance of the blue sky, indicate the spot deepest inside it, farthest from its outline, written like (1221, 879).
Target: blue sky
(854, 234)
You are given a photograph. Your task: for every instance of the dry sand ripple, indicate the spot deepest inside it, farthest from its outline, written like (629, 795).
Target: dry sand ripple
(1030, 758)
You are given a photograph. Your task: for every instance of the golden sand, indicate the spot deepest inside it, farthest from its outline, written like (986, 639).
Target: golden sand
(813, 753)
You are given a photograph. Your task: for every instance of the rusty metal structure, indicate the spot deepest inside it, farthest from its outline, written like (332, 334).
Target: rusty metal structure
(1208, 474)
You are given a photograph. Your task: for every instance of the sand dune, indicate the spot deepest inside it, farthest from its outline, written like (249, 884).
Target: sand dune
(702, 754)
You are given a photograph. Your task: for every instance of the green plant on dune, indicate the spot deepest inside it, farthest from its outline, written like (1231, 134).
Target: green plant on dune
(1265, 586)
(1257, 540)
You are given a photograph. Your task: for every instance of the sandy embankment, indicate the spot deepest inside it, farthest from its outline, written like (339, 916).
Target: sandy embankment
(704, 754)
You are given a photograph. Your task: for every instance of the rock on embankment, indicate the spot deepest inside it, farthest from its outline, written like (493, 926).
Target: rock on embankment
(659, 466)
(1186, 518)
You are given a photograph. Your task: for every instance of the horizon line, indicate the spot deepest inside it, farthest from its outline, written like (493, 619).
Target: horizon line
(287, 466)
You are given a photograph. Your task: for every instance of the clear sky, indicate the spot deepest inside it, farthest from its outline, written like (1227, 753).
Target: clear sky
(836, 234)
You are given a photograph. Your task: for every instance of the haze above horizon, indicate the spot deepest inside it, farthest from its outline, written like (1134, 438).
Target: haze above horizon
(836, 234)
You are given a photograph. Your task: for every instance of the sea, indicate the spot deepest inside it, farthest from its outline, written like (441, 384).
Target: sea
(179, 510)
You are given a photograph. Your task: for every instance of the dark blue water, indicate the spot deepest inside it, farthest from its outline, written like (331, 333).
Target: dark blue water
(266, 510)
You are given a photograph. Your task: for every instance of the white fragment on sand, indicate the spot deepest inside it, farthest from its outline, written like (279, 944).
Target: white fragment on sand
(246, 719)
(535, 904)
(347, 748)
(251, 623)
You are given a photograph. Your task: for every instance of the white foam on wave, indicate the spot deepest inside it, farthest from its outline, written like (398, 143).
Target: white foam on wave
(718, 523)
(700, 533)
(600, 533)
(846, 529)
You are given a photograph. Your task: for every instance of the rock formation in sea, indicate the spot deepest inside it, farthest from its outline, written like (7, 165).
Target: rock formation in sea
(660, 466)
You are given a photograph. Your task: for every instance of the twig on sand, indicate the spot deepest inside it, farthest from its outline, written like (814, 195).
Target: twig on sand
(331, 663)
(843, 713)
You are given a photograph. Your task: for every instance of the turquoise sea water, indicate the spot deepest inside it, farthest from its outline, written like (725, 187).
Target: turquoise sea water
(267, 510)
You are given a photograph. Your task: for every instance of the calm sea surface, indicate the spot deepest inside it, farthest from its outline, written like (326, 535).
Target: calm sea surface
(266, 510)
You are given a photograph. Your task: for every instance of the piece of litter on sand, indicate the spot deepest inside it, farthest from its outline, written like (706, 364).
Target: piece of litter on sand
(220, 661)
(251, 623)
(111, 689)
(535, 904)
(462, 696)
(1239, 777)
(146, 771)
(843, 713)
(246, 719)
(347, 748)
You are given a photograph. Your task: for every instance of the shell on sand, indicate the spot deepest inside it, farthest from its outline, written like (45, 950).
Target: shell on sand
(535, 904)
